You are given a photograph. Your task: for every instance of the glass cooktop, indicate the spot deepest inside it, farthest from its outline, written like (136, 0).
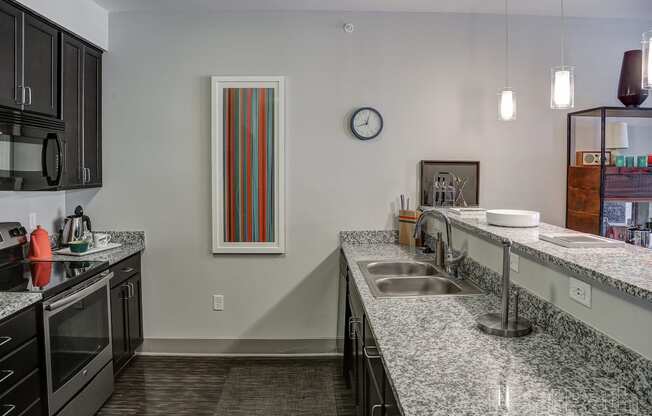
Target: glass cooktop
(47, 277)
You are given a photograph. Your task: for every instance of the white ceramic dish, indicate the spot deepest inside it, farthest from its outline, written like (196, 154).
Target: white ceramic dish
(513, 218)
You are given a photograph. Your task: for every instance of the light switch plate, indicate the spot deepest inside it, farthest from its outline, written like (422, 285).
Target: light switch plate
(514, 260)
(218, 302)
(32, 221)
(580, 292)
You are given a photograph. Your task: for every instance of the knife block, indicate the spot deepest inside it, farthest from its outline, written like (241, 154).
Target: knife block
(406, 222)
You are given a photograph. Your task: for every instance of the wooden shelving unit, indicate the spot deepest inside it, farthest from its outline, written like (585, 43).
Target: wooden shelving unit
(589, 187)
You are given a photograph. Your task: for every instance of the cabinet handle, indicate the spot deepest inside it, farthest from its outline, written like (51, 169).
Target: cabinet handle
(10, 408)
(29, 95)
(365, 351)
(5, 340)
(126, 285)
(133, 289)
(353, 321)
(20, 101)
(89, 174)
(9, 374)
(374, 407)
(127, 270)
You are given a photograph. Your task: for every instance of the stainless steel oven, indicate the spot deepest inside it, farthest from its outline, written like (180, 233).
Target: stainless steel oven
(77, 329)
(31, 152)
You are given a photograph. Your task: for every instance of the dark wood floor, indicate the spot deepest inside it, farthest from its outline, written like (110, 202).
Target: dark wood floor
(230, 386)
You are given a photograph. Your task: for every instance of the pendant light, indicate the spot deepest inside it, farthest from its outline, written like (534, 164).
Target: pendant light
(647, 60)
(507, 103)
(562, 78)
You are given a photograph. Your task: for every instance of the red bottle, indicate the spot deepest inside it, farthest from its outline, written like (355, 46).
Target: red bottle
(39, 245)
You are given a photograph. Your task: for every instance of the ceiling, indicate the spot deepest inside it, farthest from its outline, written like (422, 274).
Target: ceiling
(641, 9)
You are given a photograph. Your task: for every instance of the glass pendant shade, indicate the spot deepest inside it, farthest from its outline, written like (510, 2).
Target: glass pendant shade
(507, 105)
(562, 89)
(647, 60)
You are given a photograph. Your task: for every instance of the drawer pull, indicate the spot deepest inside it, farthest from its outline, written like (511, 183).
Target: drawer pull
(4, 341)
(374, 407)
(371, 356)
(127, 270)
(10, 408)
(8, 374)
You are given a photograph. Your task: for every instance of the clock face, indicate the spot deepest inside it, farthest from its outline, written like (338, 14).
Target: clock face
(366, 123)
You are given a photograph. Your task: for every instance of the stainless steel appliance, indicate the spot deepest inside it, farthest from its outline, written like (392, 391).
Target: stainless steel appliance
(76, 322)
(31, 152)
(75, 226)
(78, 354)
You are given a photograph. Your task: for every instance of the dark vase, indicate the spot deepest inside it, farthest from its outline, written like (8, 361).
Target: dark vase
(630, 91)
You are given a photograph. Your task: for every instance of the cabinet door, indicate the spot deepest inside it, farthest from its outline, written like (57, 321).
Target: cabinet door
(11, 28)
(119, 326)
(40, 43)
(72, 55)
(135, 313)
(92, 116)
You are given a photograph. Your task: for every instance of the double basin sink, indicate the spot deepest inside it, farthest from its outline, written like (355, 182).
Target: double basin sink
(412, 278)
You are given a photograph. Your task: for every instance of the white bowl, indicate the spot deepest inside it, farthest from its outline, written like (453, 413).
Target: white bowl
(513, 218)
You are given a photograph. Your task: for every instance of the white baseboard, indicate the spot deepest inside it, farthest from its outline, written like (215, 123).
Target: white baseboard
(316, 347)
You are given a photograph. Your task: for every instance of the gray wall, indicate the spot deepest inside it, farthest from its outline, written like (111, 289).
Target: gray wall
(434, 77)
(49, 208)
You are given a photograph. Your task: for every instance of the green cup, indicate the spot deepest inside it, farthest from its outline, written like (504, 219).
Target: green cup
(630, 161)
(620, 161)
(78, 246)
(641, 162)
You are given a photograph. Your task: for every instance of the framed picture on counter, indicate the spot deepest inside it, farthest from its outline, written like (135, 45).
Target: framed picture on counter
(449, 183)
(248, 164)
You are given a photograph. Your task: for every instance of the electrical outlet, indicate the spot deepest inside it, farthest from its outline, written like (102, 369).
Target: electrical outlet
(580, 292)
(514, 260)
(218, 302)
(32, 220)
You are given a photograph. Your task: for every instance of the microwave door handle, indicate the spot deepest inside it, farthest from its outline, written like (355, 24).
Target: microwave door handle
(52, 180)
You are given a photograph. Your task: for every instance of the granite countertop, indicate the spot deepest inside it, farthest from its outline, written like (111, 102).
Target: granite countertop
(627, 268)
(439, 363)
(11, 302)
(132, 243)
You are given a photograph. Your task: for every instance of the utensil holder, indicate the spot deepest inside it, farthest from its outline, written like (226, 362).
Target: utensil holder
(406, 221)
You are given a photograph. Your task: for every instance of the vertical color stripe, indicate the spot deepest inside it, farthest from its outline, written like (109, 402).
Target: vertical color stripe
(249, 169)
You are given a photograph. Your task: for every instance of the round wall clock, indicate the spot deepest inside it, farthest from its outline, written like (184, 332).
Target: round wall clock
(366, 123)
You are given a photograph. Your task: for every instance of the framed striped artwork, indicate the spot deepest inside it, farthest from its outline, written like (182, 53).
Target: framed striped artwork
(248, 164)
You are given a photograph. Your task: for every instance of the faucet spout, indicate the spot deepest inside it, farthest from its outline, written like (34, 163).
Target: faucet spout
(451, 259)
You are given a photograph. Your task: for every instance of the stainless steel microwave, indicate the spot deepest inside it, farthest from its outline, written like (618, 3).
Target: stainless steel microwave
(31, 152)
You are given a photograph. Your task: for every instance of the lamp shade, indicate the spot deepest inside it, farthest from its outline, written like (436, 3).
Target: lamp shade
(617, 137)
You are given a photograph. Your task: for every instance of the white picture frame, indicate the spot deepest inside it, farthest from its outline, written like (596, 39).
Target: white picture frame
(223, 195)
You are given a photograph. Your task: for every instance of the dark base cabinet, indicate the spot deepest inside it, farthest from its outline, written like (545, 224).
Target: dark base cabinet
(126, 311)
(21, 370)
(362, 364)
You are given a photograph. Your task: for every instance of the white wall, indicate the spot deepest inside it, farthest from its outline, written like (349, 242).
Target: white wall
(82, 17)
(434, 77)
(49, 208)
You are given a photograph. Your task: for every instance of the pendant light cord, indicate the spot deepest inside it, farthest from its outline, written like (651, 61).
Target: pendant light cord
(563, 32)
(507, 46)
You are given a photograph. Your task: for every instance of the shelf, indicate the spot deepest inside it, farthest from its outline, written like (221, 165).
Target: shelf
(628, 184)
(640, 112)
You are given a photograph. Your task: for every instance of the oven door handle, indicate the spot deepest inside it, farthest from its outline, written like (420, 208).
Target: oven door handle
(75, 297)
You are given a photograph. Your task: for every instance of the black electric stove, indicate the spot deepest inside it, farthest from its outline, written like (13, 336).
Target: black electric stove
(18, 274)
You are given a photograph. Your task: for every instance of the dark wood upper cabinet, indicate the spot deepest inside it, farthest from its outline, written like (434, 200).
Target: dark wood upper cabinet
(81, 109)
(11, 70)
(72, 55)
(41, 63)
(92, 116)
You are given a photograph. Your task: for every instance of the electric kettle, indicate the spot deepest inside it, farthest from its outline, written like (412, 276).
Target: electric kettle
(75, 226)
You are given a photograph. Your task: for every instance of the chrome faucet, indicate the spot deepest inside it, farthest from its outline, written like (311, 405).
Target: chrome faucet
(450, 260)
